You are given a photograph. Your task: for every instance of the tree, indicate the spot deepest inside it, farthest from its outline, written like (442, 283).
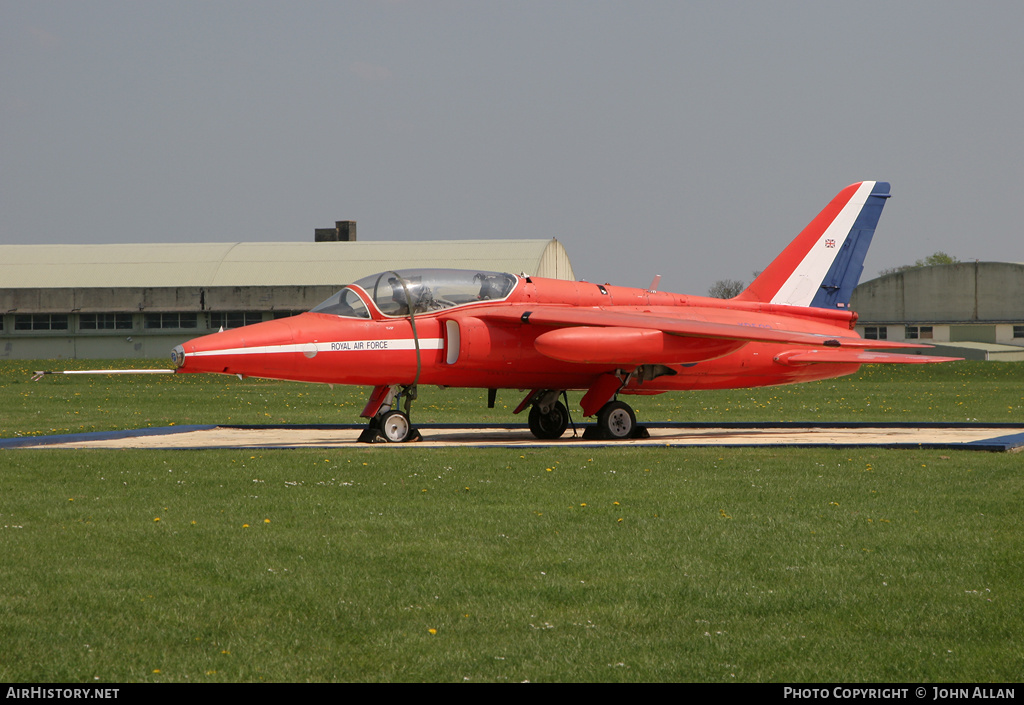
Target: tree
(726, 288)
(939, 257)
(931, 260)
(895, 270)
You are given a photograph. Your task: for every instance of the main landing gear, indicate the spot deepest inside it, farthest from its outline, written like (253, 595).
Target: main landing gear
(549, 418)
(550, 424)
(387, 423)
(616, 420)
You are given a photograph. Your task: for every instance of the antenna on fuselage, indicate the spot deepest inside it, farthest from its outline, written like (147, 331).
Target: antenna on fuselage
(653, 288)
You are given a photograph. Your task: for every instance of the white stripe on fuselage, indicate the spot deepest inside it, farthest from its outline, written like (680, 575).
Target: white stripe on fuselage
(803, 283)
(330, 346)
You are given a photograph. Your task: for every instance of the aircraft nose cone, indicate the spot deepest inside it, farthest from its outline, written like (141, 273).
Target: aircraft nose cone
(259, 350)
(178, 356)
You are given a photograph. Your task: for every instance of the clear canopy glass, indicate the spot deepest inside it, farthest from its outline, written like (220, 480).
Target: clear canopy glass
(344, 303)
(429, 290)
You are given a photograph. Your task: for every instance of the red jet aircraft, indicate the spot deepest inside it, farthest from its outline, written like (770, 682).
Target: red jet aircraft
(455, 328)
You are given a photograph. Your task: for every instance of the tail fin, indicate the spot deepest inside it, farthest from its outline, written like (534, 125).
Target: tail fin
(821, 267)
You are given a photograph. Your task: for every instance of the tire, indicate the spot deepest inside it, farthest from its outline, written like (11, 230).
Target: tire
(395, 427)
(551, 425)
(616, 420)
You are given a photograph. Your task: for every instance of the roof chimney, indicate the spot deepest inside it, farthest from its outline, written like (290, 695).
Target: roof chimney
(343, 231)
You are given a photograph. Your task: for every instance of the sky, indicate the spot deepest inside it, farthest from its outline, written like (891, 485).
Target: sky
(688, 139)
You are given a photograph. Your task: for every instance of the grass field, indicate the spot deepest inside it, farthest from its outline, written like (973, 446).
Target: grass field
(966, 391)
(615, 564)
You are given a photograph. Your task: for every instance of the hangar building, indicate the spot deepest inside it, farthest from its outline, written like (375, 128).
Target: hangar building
(973, 310)
(132, 301)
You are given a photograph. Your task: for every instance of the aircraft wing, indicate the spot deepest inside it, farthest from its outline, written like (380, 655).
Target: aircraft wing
(599, 336)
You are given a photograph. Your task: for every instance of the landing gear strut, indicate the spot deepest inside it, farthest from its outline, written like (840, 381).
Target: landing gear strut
(388, 423)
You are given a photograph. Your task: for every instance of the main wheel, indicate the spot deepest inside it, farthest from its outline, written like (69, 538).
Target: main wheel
(550, 425)
(616, 420)
(395, 426)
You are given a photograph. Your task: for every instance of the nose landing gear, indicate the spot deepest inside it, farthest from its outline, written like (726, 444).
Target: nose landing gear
(387, 423)
(395, 427)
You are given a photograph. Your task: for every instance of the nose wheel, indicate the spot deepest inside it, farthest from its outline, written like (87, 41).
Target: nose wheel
(389, 424)
(395, 427)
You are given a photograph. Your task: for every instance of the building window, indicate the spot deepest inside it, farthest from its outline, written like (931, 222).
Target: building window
(41, 321)
(918, 332)
(876, 332)
(105, 321)
(234, 319)
(1018, 331)
(171, 320)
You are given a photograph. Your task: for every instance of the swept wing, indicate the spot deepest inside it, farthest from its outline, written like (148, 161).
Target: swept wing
(619, 337)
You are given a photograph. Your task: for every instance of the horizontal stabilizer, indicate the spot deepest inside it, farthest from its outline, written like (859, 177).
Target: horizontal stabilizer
(860, 357)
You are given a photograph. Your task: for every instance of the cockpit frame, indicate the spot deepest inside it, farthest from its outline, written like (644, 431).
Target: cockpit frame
(430, 291)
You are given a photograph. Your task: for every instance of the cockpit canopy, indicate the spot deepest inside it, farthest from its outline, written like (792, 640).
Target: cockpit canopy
(345, 302)
(428, 290)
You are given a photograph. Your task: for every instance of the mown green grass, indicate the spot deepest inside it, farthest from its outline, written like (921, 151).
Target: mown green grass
(567, 564)
(956, 392)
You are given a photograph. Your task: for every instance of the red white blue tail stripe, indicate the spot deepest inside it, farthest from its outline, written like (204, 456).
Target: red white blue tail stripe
(822, 266)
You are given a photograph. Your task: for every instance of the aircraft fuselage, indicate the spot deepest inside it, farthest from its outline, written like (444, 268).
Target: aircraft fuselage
(463, 347)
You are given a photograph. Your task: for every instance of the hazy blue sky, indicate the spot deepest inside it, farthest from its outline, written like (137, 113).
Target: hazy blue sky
(688, 139)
